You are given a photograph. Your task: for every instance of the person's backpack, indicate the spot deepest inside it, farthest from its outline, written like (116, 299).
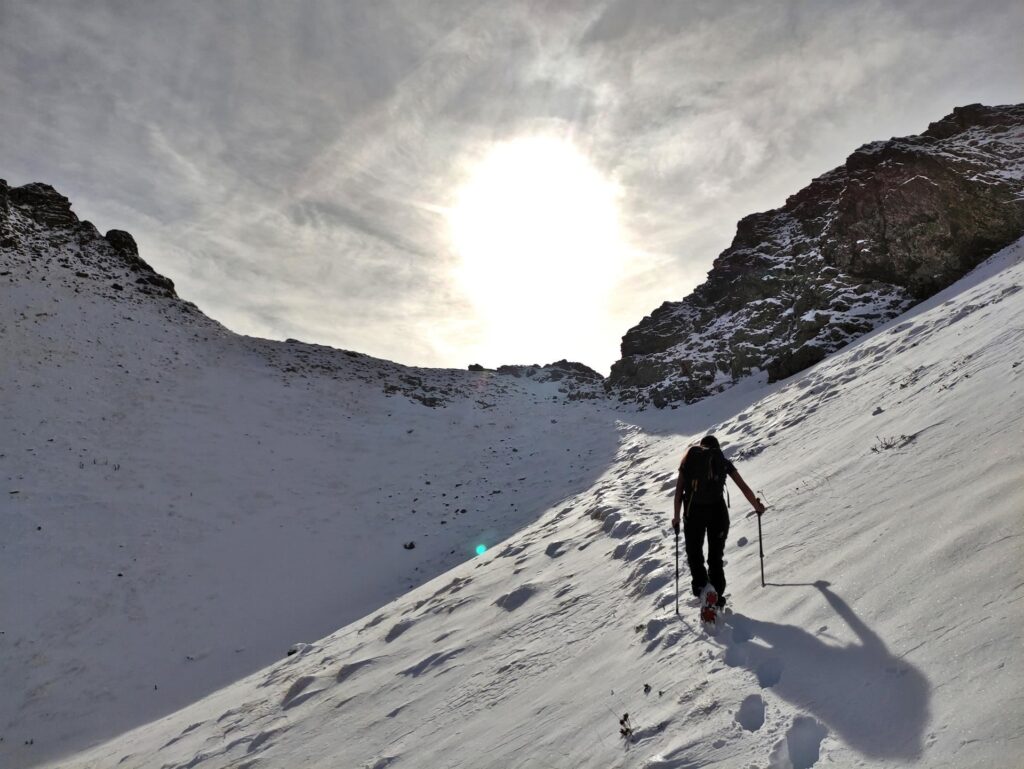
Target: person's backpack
(704, 470)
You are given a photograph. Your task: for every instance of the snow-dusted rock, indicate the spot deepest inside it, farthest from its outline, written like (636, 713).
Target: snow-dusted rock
(43, 203)
(38, 230)
(900, 220)
(576, 381)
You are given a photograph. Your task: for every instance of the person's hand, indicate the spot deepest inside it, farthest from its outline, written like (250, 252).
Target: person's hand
(675, 525)
(759, 507)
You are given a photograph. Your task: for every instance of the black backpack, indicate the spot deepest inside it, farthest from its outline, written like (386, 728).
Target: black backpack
(704, 470)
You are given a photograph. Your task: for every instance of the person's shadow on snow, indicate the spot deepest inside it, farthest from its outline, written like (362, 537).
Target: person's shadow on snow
(876, 703)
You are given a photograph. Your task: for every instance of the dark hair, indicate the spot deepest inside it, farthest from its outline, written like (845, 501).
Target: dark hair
(710, 442)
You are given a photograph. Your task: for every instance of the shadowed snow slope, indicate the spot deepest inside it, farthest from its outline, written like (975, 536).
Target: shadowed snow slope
(182, 504)
(889, 632)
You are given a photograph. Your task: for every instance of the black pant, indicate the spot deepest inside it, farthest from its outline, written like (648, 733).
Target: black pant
(712, 519)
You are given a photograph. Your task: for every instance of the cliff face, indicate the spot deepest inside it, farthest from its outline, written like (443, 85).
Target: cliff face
(900, 220)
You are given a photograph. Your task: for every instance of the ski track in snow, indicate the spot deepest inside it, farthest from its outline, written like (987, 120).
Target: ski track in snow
(889, 633)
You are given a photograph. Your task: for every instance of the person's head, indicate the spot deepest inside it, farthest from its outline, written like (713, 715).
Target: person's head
(710, 442)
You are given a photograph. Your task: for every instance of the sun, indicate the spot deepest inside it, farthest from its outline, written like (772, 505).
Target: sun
(536, 229)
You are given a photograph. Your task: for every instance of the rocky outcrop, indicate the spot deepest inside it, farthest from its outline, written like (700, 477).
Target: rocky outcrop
(920, 212)
(900, 220)
(576, 381)
(38, 225)
(43, 204)
(553, 372)
(124, 245)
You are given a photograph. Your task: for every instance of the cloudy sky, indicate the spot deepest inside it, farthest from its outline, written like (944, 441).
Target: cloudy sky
(443, 183)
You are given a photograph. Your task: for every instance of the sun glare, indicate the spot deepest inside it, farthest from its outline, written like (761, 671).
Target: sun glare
(536, 227)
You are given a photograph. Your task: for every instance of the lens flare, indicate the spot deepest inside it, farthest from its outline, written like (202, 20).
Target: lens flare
(481, 549)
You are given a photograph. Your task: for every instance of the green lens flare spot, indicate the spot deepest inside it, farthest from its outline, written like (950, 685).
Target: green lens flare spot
(481, 549)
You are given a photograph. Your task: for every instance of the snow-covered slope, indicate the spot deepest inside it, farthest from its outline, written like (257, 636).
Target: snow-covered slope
(181, 504)
(889, 634)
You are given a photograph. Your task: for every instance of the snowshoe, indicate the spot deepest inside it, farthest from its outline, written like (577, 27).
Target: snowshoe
(709, 605)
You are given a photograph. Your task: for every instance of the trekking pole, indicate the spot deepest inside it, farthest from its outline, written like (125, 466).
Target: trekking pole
(760, 546)
(677, 571)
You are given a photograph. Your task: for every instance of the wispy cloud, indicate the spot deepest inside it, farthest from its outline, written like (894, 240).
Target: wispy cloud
(289, 164)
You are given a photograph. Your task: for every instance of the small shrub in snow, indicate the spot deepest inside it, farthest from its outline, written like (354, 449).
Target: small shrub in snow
(625, 729)
(891, 442)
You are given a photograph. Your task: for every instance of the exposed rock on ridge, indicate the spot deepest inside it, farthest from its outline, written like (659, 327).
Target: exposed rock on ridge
(37, 225)
(43, 242)
(900, 220)
(43, 203)
(576, 380)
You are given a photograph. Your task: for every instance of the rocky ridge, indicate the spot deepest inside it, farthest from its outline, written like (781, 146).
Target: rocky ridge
(43, 240)
(38, 230)
(900, 220)
(576, 381)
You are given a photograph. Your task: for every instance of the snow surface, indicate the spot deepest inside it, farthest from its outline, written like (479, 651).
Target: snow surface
(182, 504)
(253, 512)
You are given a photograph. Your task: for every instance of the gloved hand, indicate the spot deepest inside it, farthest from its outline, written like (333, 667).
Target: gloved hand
(760, 508)
(675, 525)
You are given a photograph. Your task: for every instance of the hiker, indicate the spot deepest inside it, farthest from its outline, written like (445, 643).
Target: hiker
(700, 491)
